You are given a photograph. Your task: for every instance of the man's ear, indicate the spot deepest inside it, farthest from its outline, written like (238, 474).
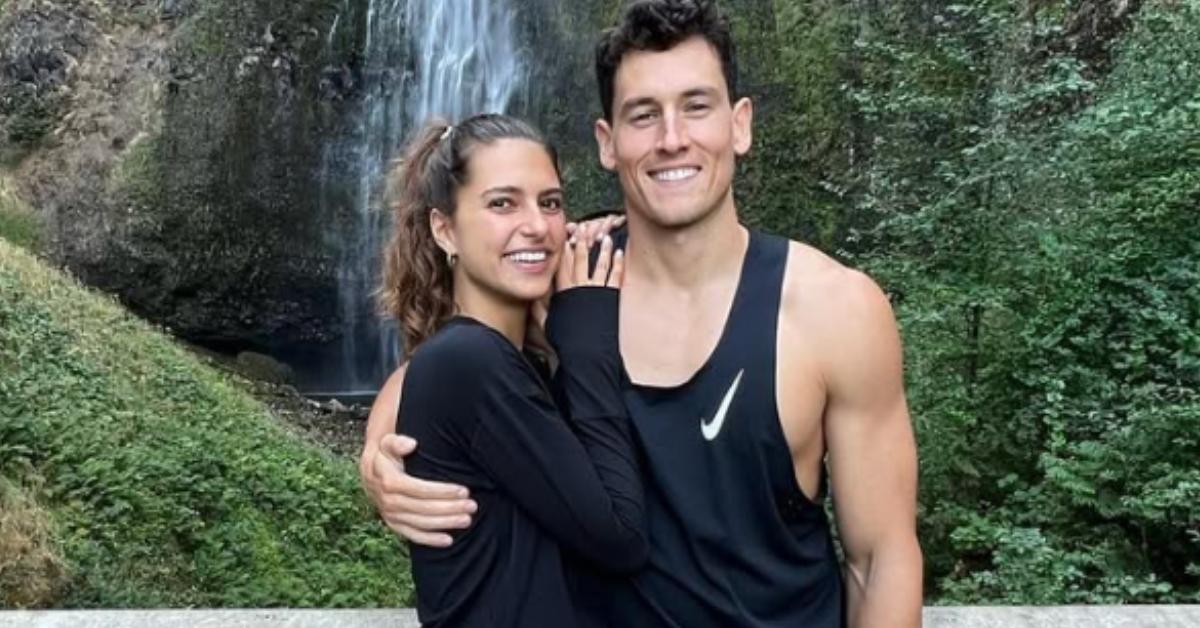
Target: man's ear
(604, 143)
(743, 126)
(442, 228)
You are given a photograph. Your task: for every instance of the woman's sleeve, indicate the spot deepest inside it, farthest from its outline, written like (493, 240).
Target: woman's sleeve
(575, 473)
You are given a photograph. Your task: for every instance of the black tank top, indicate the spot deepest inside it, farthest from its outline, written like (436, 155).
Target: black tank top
(734, 541)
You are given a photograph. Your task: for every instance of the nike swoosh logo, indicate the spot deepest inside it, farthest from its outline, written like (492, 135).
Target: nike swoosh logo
(712, 428)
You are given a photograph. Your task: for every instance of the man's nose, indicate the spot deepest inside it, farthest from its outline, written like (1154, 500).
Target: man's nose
(674, 137)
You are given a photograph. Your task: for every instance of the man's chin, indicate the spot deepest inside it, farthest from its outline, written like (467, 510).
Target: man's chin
(674, 217)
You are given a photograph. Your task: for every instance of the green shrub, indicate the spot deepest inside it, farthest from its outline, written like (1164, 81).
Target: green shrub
(171, 485)
(1046, 259)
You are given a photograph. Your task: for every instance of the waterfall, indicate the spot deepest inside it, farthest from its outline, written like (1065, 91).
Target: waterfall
(466, 58)
(421, 58)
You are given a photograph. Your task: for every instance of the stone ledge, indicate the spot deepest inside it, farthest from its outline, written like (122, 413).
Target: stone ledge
(1062, 616)
(935, 617)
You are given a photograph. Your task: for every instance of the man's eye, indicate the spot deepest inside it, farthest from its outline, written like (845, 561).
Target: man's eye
(645, 116)
(698, 106)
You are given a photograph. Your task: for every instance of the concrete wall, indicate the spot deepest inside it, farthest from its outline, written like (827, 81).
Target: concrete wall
(938, 617)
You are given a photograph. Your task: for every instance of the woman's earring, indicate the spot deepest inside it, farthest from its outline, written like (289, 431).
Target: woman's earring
(451, 259)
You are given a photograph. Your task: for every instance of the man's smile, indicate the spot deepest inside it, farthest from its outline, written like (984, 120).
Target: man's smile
(675, 174)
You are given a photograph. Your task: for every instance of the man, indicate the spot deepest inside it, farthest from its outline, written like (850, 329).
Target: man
(756, 362)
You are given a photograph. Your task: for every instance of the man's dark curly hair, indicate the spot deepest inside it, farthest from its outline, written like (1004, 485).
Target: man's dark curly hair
(660, 25)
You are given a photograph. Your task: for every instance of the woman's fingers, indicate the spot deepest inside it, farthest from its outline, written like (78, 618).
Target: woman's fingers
(604, 226)
(610, 223)
(603, 263)
(617, 276)
(596, 228)
(566, 266)
(574, 265)
(579, 274)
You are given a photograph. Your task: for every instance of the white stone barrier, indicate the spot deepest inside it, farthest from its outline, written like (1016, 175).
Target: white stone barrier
(935, 617)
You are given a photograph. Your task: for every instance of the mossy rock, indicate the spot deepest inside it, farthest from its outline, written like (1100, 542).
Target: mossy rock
(264, 368)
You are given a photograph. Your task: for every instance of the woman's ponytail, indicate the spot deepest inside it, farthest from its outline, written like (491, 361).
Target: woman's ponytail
(416, 281)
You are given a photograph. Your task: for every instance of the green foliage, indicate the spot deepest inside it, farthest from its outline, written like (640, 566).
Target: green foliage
(796, 179)
(172, 487)
(1037, 230)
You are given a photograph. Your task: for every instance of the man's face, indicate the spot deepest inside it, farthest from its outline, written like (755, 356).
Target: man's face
(674, 136)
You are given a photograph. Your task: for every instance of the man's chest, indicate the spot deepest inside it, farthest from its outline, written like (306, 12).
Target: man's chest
(665, 344)
(666, 339)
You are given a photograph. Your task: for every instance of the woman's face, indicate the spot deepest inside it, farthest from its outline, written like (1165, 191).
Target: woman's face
(510, 224)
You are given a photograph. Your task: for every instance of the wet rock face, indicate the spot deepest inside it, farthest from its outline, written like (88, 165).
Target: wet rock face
(40, 45)
(174, 150)
(253, 255)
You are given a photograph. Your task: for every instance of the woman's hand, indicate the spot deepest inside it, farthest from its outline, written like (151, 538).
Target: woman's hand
(573, 267)
(595, 229)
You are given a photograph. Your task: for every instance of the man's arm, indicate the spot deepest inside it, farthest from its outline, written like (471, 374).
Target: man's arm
(417, 510)
(872, 458)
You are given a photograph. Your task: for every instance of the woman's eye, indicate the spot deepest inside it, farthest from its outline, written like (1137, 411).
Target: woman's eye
(552, 204)
(500, 203)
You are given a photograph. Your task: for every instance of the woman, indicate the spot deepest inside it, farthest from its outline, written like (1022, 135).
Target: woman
(480, 238)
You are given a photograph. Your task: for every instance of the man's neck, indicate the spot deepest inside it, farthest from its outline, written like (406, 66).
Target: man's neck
(686, 257)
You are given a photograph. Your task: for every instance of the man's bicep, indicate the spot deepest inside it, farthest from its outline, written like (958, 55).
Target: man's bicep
(872, 452)
(873, 473)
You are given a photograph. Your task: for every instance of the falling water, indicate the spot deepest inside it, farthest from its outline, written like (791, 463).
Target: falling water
(467, 60)
(422, 59)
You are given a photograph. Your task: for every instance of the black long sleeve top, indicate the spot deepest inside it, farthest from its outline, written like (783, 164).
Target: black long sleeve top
(546, 480)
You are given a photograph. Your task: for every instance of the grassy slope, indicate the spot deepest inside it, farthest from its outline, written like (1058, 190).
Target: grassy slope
(167, 484)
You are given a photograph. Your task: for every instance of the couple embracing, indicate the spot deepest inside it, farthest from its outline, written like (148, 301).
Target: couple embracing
(653, 450)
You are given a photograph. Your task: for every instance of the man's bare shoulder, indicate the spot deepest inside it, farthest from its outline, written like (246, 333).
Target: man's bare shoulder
(844, 322)
(822, 291)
